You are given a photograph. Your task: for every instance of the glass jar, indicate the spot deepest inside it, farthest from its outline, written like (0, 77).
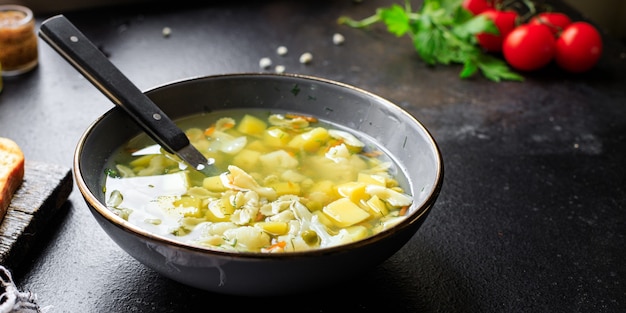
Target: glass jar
(18, 40)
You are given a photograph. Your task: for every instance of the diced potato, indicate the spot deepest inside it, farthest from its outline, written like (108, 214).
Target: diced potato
(313, 204)
(278, 159)
(357, 232)
(258, 145)
(323, 191)
(310, 141)
(286, 188)
(344, 212)
(276, 137)
(186, 201)
(142, 161)
(188, 206)
(324, 186)
(274, 228)
(295, 176)
(377, 206)
(389, 195)
(211, 217)
(200, 193)
(372, 179)
(246, 159)
(252, 125)
(355, 191)
(324, 219)
(325, 168)
(213, 183)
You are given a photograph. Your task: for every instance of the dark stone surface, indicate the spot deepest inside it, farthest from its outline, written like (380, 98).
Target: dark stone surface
(530, 219)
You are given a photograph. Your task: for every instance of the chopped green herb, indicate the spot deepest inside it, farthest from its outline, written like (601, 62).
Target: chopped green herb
(111, 173)
(442, 32)
(295, 90)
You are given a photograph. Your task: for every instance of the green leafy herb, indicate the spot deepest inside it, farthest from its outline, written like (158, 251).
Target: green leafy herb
(111, 173)
(442, 32)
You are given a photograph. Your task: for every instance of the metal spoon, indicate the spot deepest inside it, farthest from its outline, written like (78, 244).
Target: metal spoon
(70, 43)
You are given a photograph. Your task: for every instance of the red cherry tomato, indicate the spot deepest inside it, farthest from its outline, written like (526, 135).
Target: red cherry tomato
(529, 47)
(505, 21)
(477, 6)
(555, 20)
(578, 48)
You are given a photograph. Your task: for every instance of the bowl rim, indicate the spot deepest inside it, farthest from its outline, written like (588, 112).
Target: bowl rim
(415, 216)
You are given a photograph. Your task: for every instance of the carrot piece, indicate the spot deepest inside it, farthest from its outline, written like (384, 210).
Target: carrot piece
(373, 154)
(280, 244)
(209, 131)
(277, 247)
(259, 217)
(309, 119)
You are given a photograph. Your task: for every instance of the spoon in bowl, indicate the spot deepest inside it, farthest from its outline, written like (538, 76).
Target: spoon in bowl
(70, 43)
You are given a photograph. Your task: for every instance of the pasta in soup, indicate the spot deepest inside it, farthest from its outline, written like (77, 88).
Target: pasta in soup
(287, 183)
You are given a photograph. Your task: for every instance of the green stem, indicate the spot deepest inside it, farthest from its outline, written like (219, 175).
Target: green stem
(532, 10)
(359, 23)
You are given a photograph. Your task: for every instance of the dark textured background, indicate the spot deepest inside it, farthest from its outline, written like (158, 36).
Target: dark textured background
(531, 214)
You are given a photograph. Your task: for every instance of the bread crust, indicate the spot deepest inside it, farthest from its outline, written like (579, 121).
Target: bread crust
(11, 172)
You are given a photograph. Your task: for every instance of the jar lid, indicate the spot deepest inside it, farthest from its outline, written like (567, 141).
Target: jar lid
(13, 15)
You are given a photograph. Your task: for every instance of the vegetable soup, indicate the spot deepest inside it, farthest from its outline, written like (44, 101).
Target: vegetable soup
(288, 183)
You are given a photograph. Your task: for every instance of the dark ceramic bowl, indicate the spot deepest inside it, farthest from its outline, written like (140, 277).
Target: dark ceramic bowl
(237, 273)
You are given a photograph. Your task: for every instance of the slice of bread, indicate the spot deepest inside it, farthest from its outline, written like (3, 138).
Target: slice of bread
(11, 172)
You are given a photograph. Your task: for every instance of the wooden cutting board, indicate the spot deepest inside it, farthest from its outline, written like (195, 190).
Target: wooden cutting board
(46, 187)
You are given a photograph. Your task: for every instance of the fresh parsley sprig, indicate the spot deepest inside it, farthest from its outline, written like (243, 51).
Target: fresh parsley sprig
(442, 32)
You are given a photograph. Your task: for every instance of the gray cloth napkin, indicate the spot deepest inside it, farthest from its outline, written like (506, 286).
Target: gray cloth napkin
(14, 301)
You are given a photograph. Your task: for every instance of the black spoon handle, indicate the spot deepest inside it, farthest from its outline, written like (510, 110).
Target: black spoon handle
(70, 43)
